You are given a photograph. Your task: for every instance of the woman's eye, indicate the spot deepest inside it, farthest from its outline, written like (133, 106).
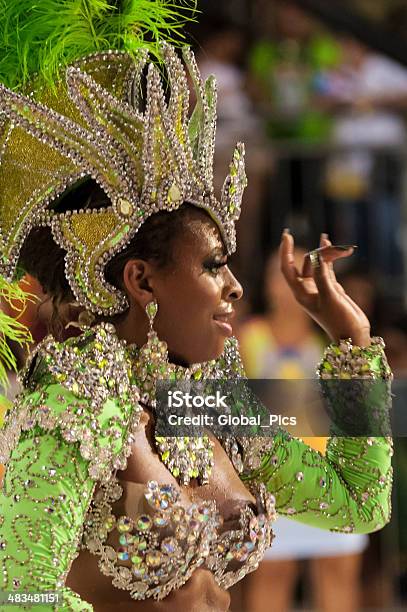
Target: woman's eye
(214, 268)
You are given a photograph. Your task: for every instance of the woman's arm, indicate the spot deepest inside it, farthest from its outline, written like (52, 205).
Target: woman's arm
(349, 489)
(45, 496)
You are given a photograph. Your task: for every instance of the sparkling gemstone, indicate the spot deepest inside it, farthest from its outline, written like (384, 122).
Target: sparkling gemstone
(177, 514)
(174, 193)
(123, 553)
(110, 522)
(124, 524)
(322, 482)
(126, 539)
(141, 544)
(125, 207)
(136, 559)
(160, 521)
(154, 558)
(203, 514)
(143, 522)
(299, 476)
(139, 570)
(323, 505)
(169, 546)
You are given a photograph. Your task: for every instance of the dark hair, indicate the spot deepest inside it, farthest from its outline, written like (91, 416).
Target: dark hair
(42, 258)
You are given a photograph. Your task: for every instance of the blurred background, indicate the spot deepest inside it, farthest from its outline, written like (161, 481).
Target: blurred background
(317, 90)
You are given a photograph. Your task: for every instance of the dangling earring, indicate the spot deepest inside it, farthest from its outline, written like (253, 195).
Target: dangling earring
(152, 360)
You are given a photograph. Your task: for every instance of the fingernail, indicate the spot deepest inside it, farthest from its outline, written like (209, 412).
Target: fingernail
(286, 230)
(324, 235)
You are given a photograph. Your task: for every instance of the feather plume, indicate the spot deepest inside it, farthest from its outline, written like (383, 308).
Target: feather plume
(39, 38)
(11, 328)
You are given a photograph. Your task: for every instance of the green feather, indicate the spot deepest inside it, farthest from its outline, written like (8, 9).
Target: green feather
(38, 38)
(10, 328)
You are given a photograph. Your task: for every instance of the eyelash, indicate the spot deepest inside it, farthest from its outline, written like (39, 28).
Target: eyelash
(214, 267)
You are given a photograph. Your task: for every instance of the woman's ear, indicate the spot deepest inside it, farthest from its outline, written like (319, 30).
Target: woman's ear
(137, 276)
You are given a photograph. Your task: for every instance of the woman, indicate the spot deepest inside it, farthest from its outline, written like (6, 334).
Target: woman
(115, 215)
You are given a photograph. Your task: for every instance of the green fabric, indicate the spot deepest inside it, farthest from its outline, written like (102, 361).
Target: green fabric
(40, 547)
(347, 490)
(48, 485)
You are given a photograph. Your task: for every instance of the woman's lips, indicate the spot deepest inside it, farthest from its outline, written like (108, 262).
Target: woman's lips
(223, 322)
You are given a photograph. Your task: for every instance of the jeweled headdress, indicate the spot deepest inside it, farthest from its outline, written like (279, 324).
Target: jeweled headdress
(146, 152)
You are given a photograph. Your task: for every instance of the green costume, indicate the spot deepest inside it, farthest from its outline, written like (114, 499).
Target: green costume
(71, 428)
(73, 111)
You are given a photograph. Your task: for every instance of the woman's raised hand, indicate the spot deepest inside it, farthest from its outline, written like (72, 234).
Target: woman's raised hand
(315, 287)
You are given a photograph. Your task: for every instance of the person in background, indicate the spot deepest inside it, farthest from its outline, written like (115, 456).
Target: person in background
(284, 344)
(288, 67)
(364, 175)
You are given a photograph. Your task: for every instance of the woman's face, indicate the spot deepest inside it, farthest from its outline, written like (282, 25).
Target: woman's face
(196, 294)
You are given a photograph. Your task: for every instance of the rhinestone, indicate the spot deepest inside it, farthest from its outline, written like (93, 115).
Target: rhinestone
(143, 522)
(203, 514)
(323, 505)
(139, 570)
(125, 207)
(126, 539)
(154, 558)
(124, 524)
(174, 193)
(169, 546)
(299, 476)
(136, 559)
(160, 521)
(122, 554)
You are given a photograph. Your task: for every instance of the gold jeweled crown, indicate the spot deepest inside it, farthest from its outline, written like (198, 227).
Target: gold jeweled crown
(91, 125)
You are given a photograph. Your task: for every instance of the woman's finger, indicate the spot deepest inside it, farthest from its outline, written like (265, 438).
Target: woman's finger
(322, 277)
(331, 256)
(291, 273)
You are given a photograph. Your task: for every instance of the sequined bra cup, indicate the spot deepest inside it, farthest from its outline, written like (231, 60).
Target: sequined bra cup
(157, 551)
(85, 388)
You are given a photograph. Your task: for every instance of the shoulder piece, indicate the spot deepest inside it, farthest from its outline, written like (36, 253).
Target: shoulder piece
(83, 387)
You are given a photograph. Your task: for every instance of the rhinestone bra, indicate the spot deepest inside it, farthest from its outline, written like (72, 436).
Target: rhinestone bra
(158, 550)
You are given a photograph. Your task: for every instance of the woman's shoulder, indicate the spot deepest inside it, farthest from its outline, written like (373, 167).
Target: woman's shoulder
(83, 388)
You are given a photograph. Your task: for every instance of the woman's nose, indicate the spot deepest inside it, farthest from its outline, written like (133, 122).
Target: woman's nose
(234, 289)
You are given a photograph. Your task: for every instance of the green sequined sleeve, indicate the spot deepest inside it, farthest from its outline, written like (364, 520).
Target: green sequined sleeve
(349, 489)
(46, 493)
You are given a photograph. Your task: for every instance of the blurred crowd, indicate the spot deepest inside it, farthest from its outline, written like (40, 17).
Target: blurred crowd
(323, 119)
